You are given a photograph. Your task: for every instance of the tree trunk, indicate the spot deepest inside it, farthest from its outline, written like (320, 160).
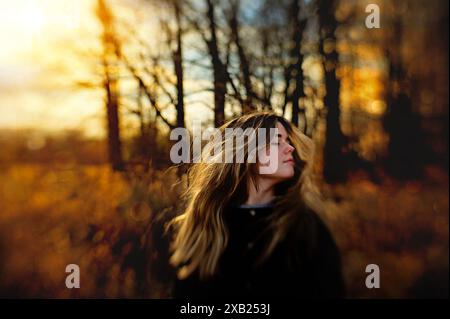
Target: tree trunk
(178, 65)
(406, 149)
(297, 56)
(335, 169)
(244, 64)
(111, 50)
(219, 69)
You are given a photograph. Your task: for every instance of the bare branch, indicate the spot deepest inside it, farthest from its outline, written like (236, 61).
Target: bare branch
(147, 93)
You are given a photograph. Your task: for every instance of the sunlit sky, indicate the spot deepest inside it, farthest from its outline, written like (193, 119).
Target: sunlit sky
(35, 36)
(45, 47)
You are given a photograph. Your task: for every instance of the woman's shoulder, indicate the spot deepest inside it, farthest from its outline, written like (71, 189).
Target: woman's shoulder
(318, 222)
(309, 229)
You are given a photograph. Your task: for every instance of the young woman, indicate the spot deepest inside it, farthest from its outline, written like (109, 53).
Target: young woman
(244, 233)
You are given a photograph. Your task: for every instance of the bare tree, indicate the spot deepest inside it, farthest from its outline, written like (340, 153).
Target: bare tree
(175, 44)
(335, 142)
(298, 92)
(110, 60)
(406, 150)
(244, 63)
(282, 27)
(209, 35)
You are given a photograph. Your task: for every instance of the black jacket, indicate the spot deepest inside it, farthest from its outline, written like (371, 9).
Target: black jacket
(300, 266)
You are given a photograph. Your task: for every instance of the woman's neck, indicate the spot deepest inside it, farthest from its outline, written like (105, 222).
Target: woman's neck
(263, 195)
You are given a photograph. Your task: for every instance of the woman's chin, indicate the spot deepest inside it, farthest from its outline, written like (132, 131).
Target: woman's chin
(286, 173)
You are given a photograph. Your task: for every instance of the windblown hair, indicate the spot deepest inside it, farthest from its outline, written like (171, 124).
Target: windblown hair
(201, 234)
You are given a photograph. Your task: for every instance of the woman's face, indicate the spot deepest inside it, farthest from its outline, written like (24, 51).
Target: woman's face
(280, 153)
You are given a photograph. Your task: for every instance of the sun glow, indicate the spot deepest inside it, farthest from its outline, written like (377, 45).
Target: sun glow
(38, 62)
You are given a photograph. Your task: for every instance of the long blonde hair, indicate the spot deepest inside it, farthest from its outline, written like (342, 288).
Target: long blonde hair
(200, 233)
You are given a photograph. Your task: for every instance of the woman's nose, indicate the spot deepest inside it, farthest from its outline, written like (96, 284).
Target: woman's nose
(289, 148)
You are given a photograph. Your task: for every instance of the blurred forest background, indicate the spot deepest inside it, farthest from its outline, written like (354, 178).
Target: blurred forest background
(90, 89)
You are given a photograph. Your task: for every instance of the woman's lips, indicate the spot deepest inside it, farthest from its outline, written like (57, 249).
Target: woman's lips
(289, 161)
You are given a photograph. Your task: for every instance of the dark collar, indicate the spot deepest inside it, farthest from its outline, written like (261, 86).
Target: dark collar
(249, 212)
